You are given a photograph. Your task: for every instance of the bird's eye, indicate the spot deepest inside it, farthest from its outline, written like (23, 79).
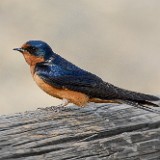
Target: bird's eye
(31, 49)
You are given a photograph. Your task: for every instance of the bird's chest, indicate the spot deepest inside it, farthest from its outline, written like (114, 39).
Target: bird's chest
(31, 59)
(77, 98)
(46, 87)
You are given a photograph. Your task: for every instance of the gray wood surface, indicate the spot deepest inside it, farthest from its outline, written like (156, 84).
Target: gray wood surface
(108, 132)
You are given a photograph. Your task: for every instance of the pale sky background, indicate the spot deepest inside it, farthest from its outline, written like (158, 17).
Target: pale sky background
(119, 40)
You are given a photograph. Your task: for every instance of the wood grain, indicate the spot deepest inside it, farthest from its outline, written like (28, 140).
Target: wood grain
(98, 132)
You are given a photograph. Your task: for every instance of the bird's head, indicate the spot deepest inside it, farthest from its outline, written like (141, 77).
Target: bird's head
(35, 51)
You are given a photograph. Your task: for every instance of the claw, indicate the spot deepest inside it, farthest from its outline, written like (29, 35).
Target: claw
(56, 108)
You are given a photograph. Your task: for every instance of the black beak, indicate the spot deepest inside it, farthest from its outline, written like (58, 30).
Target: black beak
(19, 49)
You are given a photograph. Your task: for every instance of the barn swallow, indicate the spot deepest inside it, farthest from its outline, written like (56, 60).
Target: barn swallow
(64, 80)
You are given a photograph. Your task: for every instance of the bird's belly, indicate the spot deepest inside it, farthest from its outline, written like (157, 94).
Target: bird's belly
(77, 98)
(47, 88)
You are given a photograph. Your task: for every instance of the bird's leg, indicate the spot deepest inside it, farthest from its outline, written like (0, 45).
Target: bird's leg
(63, 104)
(56, 108)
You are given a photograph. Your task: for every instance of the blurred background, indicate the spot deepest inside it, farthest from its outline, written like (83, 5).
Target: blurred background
(117, 40)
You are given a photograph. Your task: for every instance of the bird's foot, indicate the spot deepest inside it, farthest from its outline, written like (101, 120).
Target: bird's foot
(51, 108)
(56, 108)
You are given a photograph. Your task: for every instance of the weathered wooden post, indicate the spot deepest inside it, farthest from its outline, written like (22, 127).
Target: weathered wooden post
(108, 132)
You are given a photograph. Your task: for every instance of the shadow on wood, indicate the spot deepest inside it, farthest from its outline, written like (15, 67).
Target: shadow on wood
(108, 132)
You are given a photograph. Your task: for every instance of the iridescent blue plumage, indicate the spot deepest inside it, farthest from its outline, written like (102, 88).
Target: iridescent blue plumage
(51, 69)
(61, 73)
(39, 48)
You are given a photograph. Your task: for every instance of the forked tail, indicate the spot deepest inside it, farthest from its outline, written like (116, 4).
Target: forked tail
(139, 100)
(141, 106)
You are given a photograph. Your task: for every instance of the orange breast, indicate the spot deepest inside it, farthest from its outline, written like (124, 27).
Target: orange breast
(31, 59)
(77, 98)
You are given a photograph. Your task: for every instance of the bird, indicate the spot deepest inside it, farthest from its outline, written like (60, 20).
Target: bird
(62, 79)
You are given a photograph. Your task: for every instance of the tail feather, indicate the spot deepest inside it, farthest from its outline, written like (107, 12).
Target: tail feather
(140, 100)
(141, 105)
(148, 103)
(124, 94)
